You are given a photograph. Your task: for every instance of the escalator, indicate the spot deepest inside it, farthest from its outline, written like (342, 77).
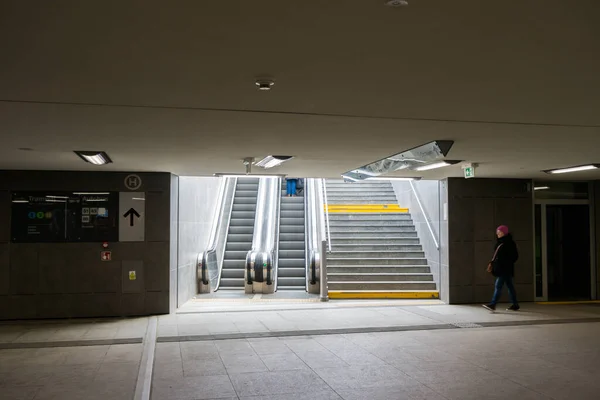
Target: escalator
(291, 271)
(239, 234)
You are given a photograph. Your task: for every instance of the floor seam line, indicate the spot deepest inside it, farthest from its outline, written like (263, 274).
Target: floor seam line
(143, 386)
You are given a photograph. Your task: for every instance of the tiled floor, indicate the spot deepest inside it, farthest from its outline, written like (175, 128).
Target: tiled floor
(523, 363)
(478, 355)
(86, 372)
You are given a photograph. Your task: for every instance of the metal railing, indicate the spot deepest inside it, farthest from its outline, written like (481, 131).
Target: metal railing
(414, 190)
(323, 200)
(211, 259)
(225, 221)
(265, 235)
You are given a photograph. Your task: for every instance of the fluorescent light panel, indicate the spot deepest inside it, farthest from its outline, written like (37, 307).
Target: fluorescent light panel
(541, 188)
(436, 165)
(272, 161)
(572, 169)
(238, 175)
(91, 193)
(94, 157)
(393, 178)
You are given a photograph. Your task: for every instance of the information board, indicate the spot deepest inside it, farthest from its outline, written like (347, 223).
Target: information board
(64, 217)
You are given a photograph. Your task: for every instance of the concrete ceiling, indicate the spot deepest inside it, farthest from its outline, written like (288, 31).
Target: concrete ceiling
(169, 86)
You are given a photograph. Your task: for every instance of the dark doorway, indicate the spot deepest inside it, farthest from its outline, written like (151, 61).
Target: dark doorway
(568, 246)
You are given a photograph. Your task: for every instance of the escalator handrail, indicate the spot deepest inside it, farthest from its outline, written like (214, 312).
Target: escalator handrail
(265, 225)
(232, 182)
(202, 258)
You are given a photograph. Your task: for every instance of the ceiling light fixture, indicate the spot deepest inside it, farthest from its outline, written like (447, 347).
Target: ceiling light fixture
(396, 3)
(238, 175)
(393, 178)
(272, 161)
(572, 169)
(264, 84)
(91, 193)
(436, 165)
(94, 157)
(541, 188)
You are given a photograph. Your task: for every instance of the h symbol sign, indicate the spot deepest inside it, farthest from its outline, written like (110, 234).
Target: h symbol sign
(133, 182)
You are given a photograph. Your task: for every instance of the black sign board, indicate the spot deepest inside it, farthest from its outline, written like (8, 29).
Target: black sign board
(64, 217)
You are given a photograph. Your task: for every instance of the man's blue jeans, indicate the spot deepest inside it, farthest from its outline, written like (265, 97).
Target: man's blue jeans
(500, 281)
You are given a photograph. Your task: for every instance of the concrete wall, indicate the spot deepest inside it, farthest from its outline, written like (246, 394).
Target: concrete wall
(595, 209)
(59, 280)
(429, 195)
(475, 208)
(197, 202)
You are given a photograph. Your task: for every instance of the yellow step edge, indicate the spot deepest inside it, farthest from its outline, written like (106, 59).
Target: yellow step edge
(564, 303)
(384, 295)
(365, 208)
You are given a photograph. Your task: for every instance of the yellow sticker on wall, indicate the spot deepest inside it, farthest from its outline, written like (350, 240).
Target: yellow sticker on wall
(132, 275)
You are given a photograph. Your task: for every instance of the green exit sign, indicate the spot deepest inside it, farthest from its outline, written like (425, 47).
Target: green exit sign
(469, 171)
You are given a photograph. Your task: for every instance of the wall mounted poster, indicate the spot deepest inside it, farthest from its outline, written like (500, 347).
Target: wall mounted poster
(44, 217)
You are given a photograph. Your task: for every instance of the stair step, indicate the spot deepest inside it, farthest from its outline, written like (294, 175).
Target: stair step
(291, 229)
(291, 262)
(367, 269)
(376, 241)
(291, 221)
(376, 261)
(290, 288)
(382, 229)
(369, 216)
(291, 281)
(238, 246)
(231, 283)
(372, 223)
(335, 236)
(241, 229)
(387, 277)
(291, 236)
(297, 254)
(338, 247)
(292, 214)
(244, 200)
(243, 215)
(239, 238)
(291, 272)
(241, 222)
(380, 285)
(292, 245)
(245, 207)
(376, 254)
(232, 273)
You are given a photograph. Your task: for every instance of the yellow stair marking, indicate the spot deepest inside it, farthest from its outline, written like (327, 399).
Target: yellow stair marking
(383, 295)
(365, 208)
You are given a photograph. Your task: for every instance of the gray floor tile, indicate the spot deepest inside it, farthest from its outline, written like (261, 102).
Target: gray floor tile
(283, 362)
(322, 359)
(126, 353)
(204, 367)
(114, 372)
(360, 377)
(196, 350)
(86, 355)
(274, 383)
(267, 346)
(406, 392)
(18, 392)
(241, 346)
(164, 371)
(241, 363)
(196, 388)
(326, 395)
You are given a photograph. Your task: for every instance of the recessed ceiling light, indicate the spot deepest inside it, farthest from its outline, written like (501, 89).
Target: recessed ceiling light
(572, 169)
(396, 3)
(264, 84)
(272, 161)
(439, 164)
(94, 157)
